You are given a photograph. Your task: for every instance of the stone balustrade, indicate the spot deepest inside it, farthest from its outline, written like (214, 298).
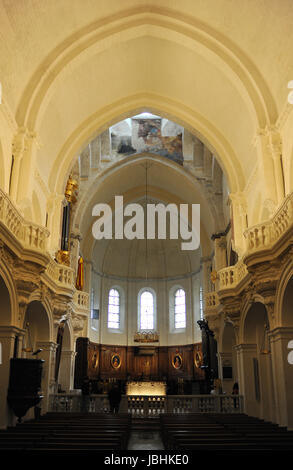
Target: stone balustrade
(81, 299)
(148, 406)
(211, 300)
(263, 236)
(61, 275)
(229, 278)
(30, 235)
(259, 237)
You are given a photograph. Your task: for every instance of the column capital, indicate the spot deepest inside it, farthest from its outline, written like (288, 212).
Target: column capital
(245, 348)
(10, 331)
(281, 332)
(47, 345)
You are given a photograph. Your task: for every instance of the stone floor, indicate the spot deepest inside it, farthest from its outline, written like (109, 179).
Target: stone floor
(145, 440)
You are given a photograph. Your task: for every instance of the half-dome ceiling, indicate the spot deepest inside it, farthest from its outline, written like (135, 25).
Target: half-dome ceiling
(180, 169)
(138, 260)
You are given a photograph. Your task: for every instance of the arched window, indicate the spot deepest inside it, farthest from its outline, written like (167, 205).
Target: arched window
(180, 309)
(114, 309)
(147, 311)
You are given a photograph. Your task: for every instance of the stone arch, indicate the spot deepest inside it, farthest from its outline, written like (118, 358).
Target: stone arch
(173, 22)
(158, 105)
(282, 347)
(287, 304)
(6, 314)
(8, 297)
(8, 341)
(256, 362)
(283, 297)
(256, 315)
(37, 324)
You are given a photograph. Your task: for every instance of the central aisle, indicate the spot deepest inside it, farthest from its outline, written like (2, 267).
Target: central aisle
(145, 435)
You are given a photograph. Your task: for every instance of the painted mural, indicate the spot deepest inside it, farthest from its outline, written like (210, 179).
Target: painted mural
(146, 136)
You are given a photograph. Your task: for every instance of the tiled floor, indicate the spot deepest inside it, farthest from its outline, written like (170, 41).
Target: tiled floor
(145, 440)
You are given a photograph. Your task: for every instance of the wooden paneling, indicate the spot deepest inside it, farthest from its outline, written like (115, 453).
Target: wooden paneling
(198, 362)
(107, 368)
(185, 368)
(98, 361)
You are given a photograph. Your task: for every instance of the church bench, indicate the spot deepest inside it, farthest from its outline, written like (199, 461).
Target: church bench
(109, 443)
(185, 440)
(62, 449)
(81, 446)
(224, 438)
(237, 447)
(80, 432)
(218, 432)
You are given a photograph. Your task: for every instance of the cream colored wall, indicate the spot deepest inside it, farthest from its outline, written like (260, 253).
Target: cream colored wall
(63, 122)
(129, 298)
(7, 129)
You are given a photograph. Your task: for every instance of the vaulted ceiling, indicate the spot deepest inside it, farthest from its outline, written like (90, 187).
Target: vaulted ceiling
(78, 67)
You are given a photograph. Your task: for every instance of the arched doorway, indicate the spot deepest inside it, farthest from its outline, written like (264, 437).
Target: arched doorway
(256, 364)
(38, 337)
(282, 337)
(8, 342)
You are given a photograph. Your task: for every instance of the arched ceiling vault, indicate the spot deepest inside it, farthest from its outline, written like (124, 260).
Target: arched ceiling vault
(153, 16)
(159, 105)
(167, 182)
(86, 65)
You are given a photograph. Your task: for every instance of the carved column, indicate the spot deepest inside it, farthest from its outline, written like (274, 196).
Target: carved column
(225, 359)
(266, 166)
(7, 341)
(75, 238)
(220, 251)
(87, 275)
(282, 374)
(66, 373)
(55, 204)
(48, 383)
(238, 206)
(275, 149)
(245, 355)
(24, 152)
(206, 275)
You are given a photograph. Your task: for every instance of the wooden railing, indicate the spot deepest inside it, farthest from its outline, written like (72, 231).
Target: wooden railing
(148, 406)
